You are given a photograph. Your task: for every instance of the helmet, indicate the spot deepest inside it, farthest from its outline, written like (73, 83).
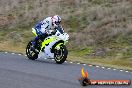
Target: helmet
(56, 20)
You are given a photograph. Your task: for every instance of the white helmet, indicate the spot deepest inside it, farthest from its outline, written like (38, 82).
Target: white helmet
(56, 20)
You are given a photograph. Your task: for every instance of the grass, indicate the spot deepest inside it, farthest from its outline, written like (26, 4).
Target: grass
(112, 58)
(108, 62)
(10, 47)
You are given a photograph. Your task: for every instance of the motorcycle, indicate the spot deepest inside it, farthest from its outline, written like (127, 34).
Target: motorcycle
(52, 47)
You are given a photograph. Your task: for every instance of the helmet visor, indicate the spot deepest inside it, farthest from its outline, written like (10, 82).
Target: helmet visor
(58, 22)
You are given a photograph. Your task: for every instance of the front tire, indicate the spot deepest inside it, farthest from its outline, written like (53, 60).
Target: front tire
(30, 54)
(61, 54)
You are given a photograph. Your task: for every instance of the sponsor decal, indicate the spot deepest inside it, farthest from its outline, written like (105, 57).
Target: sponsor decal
(85, 80)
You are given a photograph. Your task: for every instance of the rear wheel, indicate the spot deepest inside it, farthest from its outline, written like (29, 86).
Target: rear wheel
(30, 54)
(61, 54)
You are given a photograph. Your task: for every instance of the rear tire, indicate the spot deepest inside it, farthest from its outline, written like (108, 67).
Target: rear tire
(63, 57)
(30, 54)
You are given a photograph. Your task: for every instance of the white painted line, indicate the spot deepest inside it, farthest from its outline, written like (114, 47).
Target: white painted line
(114, 69)
(103, 67)
(126, 71)
(90, 65)
(20, 54)
(12, 53)
(78, 63)
(6, 52)
(97, 66)
(121, 70)
(71, 62)
(45, 58)
(84, 64)
(108, 68)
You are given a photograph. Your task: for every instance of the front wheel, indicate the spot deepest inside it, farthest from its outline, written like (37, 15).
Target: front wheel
(30, 54)
(61, 54)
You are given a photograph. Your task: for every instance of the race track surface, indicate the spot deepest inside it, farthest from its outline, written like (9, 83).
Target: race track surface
(16, 71)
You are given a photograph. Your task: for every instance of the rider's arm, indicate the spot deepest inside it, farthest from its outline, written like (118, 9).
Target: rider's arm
(44, 27)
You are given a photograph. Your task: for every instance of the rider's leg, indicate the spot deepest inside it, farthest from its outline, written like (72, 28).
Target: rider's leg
(35, 41)
(42, 36)
(39, 33)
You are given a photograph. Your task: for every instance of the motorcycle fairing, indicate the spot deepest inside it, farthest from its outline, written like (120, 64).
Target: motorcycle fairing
(47, 44)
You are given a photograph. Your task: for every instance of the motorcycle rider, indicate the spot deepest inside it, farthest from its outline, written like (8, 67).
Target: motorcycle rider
(45, 28)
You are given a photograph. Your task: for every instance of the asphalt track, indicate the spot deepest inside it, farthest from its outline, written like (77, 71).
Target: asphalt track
(16, 71)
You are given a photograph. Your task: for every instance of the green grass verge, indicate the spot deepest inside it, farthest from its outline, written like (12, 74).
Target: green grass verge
(120, 60)
(111, 62)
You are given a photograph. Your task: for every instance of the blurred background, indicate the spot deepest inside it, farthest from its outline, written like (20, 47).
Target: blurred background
(100, 30)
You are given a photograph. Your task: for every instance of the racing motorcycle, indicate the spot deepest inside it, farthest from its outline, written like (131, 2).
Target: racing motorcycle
(52, 47)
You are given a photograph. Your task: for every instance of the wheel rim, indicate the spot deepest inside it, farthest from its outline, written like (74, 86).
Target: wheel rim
(29, 51)
(59, 54)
